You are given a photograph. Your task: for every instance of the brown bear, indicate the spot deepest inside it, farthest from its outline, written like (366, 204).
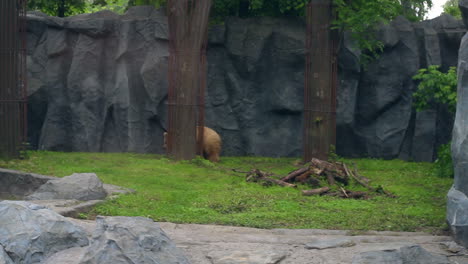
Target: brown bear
(211, 144)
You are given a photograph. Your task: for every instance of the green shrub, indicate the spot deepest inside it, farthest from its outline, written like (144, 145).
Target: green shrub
(443, 164)
(436, 87)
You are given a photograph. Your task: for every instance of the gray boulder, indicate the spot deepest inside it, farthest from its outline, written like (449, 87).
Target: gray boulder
(17, 184)
(406, 255)
(78, 186)
(457, 205)
(131, 240)
(4, 258)
(30, 233)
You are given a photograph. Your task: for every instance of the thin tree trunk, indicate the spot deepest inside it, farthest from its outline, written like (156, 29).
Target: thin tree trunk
(61, 8)
(320, 82)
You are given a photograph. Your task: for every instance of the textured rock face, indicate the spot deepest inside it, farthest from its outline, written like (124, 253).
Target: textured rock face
(405, 255)
(98, 82)
(131, 240)
(18, 184)
(457, 205)
(78, 186)
(30, 233)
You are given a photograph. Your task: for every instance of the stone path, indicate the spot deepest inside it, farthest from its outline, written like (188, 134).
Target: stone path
(209, 244)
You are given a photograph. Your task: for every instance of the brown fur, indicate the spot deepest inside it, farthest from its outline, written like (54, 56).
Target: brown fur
(211, 144)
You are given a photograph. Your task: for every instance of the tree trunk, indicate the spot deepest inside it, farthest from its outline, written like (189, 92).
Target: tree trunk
(12, 78)
(61, 8)
(320, 82)
(188, 27)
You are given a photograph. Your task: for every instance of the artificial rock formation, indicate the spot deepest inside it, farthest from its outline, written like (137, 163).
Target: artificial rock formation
(457, 200)
(31, 233)
(98, 82)
(78, 186)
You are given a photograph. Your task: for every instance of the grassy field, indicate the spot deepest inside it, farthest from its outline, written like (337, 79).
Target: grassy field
(201, 192)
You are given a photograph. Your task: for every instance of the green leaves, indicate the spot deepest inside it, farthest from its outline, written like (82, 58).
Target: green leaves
(51, 7)
(436, 87)
(117, 6)
(451, 8)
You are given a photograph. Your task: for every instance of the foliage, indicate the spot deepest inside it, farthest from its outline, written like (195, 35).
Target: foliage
(436, 87)
(155, 3)
(441, 88)
(116, 6)
(443, 164)
(363, 17)
(451, 8)
(58, 8)
(195, 192)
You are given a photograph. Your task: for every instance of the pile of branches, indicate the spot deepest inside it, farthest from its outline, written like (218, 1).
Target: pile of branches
(315, 174)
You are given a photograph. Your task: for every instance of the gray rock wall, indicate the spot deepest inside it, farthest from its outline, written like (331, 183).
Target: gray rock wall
(98, 82)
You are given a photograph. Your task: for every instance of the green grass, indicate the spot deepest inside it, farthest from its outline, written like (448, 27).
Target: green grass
(201, 192)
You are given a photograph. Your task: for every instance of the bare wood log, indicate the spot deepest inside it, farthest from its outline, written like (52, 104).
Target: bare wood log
(325, 165)
(303, 177)
(316, 171)
(315, 191)
(257, 175)
(294, 174)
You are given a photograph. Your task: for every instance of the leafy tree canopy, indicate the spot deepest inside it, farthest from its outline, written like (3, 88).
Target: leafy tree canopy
(436, 87)
(451, 8)
(360, 17)
(58, 8)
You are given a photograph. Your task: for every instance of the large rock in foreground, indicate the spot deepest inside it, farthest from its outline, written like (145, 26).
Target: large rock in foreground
(131, 240)
(457, 206)
(30, 233)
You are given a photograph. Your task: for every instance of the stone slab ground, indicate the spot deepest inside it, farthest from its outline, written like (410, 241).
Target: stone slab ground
(209, 244)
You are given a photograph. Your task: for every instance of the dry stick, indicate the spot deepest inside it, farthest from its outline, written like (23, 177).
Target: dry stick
(315, 191)
(349, 173)
(363, 183)
(344, 192)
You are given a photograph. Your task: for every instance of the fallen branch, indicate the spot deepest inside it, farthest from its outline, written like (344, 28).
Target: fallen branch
(350, 174)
